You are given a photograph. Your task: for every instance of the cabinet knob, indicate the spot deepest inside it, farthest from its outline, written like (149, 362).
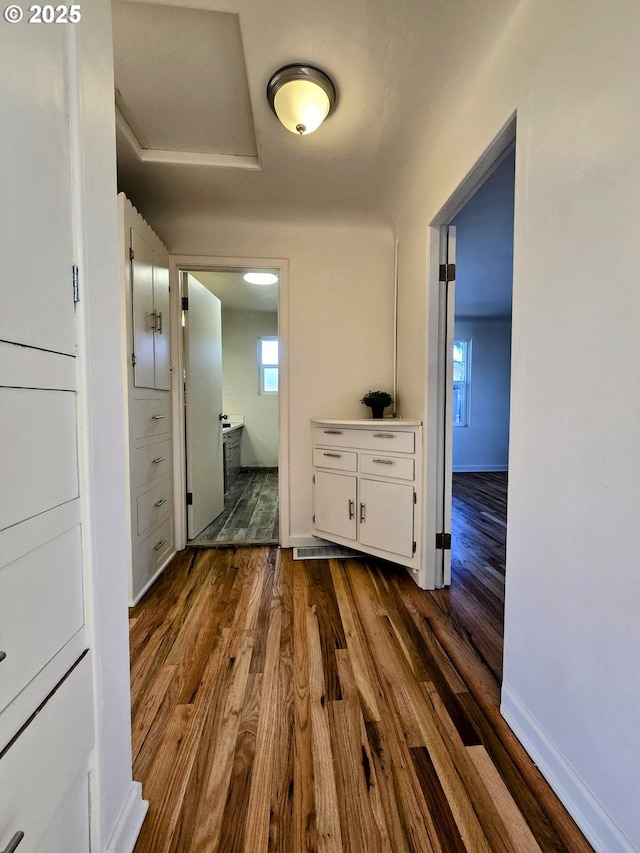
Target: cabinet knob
(383, 435)
(383, 461)
(158, 460)
(161, 502)
(13, 844)
(333, 455)
(157, 417)
(333, 432)
(222, 417)
(160, 544)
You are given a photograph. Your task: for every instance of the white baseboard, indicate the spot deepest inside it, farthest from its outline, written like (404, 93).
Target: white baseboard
(127, 829)
(602, 832)
(478, 469)
(150, 582)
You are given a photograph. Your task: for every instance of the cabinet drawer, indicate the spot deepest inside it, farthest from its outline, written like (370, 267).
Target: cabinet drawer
(42, 768)
(154, 505)
(151, 552)
(150, 417)
(41, 608)
(365, 439)
(151, 462)
(400, 467)
(336, 459)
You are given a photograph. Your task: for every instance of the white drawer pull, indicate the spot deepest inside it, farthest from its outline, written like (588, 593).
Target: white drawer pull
(333, 432)
(160, 544)
(158, 417)
(13, 844)
(160, 502)
(158, 460)
(383, 435)
(383, 461)
(333, 455)
(2, 656)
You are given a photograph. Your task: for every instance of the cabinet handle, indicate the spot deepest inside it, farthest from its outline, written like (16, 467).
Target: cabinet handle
(383, 435)
(160, 544)
(383, 461)
(351, 509)
(333, 432)
(159, 459)
(2, 656)
(152, 315)
(158, 417)
(363, 513)
(333, 455)
(13, 844)
(159, 322)
(161, 502)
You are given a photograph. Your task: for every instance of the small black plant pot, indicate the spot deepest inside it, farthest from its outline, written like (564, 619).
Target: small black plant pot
(377, 411)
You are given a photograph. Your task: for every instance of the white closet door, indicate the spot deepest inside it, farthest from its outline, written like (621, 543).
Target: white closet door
(143, 316)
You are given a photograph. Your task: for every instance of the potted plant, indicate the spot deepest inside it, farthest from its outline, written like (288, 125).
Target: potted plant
(377, 402)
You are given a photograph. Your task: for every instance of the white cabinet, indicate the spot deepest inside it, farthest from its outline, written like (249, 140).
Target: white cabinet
(366, 486)
(145, 274)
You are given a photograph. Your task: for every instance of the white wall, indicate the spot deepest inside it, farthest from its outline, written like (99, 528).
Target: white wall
(338, 341)
(240, 333)
(572, 633)
(483, 445)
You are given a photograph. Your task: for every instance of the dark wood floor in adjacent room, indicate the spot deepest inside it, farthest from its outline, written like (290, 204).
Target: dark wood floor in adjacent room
(322, 706)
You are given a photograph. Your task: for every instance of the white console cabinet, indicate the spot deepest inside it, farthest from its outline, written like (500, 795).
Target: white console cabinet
(366, 486)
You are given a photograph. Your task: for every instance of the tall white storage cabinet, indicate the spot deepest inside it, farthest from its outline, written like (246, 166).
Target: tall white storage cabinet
(367, 487)
(60, 706)
(145, 276)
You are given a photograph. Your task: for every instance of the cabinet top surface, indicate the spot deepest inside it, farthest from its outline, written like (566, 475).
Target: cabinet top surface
(370, 423)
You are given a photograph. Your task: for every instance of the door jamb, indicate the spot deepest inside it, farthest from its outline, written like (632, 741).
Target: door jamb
(178, 264)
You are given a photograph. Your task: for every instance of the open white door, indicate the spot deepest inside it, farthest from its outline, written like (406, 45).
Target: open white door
(446, 326)
(203, 405)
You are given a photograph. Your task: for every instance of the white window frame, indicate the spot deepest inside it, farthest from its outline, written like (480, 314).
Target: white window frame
(262, 365)
(464, 386)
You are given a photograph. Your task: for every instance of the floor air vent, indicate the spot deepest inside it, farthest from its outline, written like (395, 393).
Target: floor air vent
(324, 552)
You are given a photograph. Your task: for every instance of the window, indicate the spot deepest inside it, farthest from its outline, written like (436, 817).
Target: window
(461, 377)
(268, 365)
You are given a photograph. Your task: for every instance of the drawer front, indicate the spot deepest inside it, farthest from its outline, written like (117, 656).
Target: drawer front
(43, 766)
(399, 467)
(339, 460)
(40, 471)
(155, 505)
(150, 417)
(152, 552)
(151, 462)
(41, 608)
(365, 439)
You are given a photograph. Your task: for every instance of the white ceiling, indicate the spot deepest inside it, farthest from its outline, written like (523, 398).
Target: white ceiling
(198, 135)
(234, 292)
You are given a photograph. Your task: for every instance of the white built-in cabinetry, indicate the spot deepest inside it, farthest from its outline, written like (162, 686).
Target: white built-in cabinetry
(145, 274)
(366, 486)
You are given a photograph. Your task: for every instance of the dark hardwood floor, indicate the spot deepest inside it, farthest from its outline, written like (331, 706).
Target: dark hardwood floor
(250, 511)
(323, 706)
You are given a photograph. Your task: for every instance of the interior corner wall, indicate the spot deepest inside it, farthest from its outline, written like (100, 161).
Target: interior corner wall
(571, 71)
(483, 445)
(241, 331)
(338, 340)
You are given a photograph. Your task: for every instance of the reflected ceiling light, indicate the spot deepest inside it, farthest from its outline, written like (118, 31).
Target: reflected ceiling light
(260, 278)
(302, 97)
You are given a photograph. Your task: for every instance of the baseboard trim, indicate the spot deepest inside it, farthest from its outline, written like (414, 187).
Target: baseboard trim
(600, 829)
(152, 580)
(479, 469)
(127, 829)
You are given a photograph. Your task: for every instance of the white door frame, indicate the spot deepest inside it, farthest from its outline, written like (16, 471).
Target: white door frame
(208, 263)
(435, 576)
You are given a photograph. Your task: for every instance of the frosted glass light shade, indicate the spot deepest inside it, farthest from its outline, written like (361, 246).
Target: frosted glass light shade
(302, 97)
(260, 278)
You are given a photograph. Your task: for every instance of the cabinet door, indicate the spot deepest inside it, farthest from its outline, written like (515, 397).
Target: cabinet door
(386, 516)
(161, 338)
(334, 502)
(143, 317)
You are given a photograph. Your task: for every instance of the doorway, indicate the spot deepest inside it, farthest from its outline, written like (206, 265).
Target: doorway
(233, 379)
(474, 388)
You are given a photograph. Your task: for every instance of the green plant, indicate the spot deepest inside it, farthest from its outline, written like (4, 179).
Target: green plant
(377, 399)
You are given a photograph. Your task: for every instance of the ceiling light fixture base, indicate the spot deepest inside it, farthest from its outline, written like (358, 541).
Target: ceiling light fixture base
(302, 97)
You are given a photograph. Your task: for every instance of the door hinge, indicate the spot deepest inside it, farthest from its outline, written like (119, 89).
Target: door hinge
(414, 547)
(76, 284)
(443, 541)
(185, 303)
(447, 272)
(189, 498)
(133, 359)
(132, 254)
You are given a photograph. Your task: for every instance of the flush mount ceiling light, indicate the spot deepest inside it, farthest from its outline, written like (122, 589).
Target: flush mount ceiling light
(260, 278)
(302, 97)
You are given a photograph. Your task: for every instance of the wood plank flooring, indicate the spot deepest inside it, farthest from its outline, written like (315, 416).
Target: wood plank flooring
(322, 706)
(250, 511)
